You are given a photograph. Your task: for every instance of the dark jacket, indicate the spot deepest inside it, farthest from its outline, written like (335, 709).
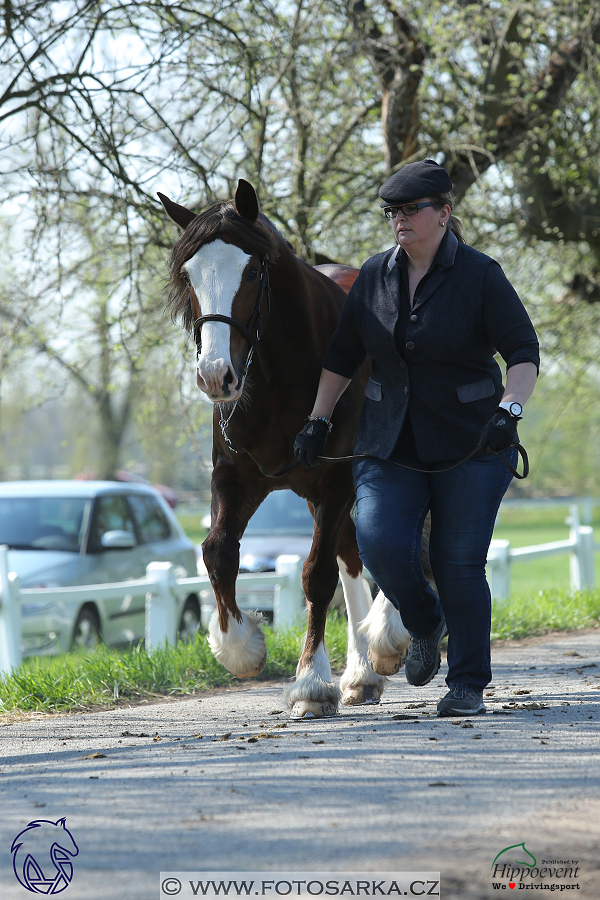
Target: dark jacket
(442, 368)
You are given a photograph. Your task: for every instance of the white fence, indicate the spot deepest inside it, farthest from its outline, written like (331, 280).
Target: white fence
(280, 591)
(580, 545)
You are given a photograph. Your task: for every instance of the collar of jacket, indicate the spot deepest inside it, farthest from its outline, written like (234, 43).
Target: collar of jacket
(444, 257)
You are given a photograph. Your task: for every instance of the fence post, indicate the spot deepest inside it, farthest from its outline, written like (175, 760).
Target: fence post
(576, 562)
(10, 617)
(499, 562)
(290, 604)
(161, 605)
(585, 553)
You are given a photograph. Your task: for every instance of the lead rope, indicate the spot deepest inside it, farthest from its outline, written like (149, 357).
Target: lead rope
(520, 448)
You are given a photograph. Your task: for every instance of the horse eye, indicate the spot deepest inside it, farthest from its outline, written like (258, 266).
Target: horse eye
(252, 275)
(185, 276)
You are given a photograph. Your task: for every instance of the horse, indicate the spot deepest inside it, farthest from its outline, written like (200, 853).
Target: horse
(262, 319)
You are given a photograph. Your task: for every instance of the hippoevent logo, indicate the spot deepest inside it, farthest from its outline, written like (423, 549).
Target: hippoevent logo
(42, 856)
(515, 868)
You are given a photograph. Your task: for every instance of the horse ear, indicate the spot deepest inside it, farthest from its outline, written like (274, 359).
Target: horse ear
(246, 201)
(178, 214)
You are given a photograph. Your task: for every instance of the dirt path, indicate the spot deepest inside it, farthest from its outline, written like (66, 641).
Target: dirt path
(378, 789)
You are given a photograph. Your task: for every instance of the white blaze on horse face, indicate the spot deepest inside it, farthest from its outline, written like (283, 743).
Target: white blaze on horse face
(215, 273)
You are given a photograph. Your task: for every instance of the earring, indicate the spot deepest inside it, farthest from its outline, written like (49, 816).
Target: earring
(442, 224)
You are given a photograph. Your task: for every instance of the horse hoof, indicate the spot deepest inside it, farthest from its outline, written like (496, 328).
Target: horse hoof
(384, 665)
(255, 671)
(311, 709)
(361, 694)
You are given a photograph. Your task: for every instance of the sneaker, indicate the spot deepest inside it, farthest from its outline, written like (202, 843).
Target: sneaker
(461, 700)
(423, 658)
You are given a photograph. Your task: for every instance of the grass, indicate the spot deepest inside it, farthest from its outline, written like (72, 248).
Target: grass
(83, 681)
(77, 681)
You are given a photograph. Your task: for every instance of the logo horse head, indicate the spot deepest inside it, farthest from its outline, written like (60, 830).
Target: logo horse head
(41, 856)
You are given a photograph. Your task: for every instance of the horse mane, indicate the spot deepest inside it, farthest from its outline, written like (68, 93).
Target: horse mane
(259, 237)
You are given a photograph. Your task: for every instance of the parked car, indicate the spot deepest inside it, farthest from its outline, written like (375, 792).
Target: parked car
(281, 525)
(63, 533)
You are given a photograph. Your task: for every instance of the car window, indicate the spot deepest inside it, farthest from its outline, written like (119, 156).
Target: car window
(281, 512)
(42, 523)
(110, 514)
(150, 519)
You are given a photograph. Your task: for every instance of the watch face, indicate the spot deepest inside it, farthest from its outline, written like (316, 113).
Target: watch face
(515, 409)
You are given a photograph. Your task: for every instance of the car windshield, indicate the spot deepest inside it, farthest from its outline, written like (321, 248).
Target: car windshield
(42, 523)
(282, 512)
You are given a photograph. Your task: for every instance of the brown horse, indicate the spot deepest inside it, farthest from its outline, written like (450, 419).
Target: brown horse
(262, 319)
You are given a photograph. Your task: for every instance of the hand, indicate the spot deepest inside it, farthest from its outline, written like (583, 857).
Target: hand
(499, 433)
(310, 442)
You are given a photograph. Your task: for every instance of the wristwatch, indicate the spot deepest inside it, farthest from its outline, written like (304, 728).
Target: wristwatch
(514, 408)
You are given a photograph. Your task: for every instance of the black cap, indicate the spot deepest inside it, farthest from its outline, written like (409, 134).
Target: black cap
(415, 180)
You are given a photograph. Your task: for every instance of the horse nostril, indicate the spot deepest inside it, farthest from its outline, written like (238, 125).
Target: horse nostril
(228, 377)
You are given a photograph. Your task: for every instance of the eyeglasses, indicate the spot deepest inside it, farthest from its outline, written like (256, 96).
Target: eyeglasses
(409, 209)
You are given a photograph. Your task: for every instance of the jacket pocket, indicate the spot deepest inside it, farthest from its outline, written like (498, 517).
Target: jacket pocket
(373, 390)
(477, 390)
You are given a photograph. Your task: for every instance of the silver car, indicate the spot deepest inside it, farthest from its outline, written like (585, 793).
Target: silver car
(63, 533)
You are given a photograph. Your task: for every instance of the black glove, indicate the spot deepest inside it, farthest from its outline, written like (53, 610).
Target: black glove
(310, 442)
(500, 432)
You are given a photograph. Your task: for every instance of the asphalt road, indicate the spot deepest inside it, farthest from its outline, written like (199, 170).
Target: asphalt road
(225, 782)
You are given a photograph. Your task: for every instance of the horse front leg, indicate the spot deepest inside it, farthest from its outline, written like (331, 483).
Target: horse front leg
(234, 636)
(383, 627)
(314, 694)
(359, 683)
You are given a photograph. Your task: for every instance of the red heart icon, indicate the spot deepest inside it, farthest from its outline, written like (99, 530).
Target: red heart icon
(511, 884)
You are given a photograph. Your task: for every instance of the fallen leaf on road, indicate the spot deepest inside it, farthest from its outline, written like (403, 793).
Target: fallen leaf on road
(95, 756)
(224, 737)
(131, 734)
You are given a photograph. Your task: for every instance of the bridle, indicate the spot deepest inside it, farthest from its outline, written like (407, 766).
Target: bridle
(254, 331)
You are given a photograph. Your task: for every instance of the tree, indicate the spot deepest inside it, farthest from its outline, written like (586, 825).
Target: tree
(315, 102)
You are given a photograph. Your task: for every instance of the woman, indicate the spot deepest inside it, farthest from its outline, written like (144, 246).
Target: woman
(431, 313)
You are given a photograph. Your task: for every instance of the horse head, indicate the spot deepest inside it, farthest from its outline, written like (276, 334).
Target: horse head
(219, 282)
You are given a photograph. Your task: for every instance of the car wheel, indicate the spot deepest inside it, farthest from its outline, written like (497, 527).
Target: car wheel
(86, 633)
(189, 624)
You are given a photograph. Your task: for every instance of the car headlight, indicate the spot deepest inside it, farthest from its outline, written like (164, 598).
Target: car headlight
(252, 563)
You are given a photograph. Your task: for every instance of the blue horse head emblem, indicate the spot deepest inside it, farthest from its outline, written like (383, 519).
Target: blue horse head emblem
(42, 856)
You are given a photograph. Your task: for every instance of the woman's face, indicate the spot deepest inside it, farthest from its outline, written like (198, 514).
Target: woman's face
(424, 228)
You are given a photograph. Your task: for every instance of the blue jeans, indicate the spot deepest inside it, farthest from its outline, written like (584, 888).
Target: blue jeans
(392, 503)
